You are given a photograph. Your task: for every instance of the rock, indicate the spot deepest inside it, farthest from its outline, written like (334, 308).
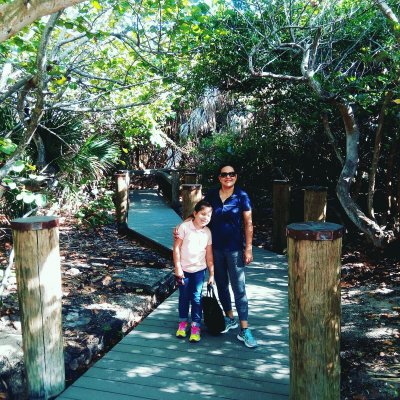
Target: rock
(73, 272)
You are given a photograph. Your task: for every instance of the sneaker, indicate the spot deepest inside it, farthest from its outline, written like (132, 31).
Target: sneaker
(230, 324)
(195, 334)
(182, 327)
(245, 336)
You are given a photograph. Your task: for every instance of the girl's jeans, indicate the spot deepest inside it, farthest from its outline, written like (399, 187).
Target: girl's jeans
(190, 294)
(229, 266)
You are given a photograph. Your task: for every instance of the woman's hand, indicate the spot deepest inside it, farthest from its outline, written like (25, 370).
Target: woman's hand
(175, 233)
(248, 256)
(210, 280)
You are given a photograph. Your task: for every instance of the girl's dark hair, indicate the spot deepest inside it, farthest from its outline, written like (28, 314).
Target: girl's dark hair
(202, 204)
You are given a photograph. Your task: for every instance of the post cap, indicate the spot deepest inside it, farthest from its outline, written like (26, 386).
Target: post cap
(316, 188)
(314, 231)
(34, 223)
(120, 173)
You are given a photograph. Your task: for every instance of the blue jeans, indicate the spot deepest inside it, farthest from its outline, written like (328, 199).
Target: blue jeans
(229, 266)
(190, 294)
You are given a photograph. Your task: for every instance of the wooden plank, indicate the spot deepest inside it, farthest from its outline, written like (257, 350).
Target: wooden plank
(268, 371)
(136, 368)
(171, 321)
(172, 389)
(80, 393)
(186, 381)
(216, 356)
(147, 333)
(276, 350)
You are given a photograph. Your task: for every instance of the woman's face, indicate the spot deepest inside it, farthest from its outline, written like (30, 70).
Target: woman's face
(227, 176)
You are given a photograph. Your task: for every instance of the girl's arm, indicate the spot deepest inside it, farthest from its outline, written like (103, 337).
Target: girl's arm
(177, 257)
(210, 264)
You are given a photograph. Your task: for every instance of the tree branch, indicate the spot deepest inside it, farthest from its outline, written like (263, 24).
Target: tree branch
(16, 15)
(387, 11)
(14, 88)
(264, 74)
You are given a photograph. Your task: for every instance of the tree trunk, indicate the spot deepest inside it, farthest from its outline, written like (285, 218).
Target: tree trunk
(376, 154)
(38, 109)
(331, 137)
(280, 214)
(398, 198)
(41, 152)
(371, 229)
(390, 179)
(315, 203)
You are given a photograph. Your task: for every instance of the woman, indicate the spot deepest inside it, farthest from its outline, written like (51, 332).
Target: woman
(232, 235)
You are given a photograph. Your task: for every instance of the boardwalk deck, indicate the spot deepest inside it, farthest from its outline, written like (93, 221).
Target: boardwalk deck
(151, 363)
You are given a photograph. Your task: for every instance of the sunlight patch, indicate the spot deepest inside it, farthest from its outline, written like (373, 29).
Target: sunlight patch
(143, 372)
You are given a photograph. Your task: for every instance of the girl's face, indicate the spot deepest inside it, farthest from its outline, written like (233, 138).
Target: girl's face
(202, 217)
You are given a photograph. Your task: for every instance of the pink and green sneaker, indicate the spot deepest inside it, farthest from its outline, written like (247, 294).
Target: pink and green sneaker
(182, 327)
(195, 334)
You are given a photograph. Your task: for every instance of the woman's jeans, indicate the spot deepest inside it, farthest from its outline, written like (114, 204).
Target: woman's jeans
(190, 294)
(229, 266)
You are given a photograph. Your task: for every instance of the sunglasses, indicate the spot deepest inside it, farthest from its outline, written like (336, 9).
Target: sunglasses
(226, 174)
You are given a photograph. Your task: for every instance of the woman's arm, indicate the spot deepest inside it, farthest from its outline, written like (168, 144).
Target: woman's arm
(210, 264)
(175, 230)
(177, 257)
(248, 234)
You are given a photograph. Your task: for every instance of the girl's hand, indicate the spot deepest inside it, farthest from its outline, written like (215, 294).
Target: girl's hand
(179, 280)
(211, 280)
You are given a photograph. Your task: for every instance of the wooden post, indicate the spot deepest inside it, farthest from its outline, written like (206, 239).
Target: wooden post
(37, 262)
(315, 203)
(190, 178)
(175, 189)
(314, 250)
(191, 194)
(280, 214)
(122, 199)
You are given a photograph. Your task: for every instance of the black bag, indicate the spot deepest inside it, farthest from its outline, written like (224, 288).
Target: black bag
(212, 312)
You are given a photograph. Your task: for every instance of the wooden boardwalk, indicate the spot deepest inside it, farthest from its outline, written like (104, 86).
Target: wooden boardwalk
(151, 363)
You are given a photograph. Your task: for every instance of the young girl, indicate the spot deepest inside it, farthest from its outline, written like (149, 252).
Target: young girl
(192, 255)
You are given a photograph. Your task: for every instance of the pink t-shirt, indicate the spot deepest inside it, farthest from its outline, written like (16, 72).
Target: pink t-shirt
(193, 249)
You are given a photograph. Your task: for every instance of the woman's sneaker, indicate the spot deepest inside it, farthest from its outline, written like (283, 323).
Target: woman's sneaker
(182, 327)
(245, 336)
(195, 334)
(230, 324)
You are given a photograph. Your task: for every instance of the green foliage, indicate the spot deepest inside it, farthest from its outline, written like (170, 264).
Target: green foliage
(97, 212)
(23, 192)
(95, 156)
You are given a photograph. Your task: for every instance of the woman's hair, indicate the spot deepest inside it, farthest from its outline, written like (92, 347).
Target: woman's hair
(226, 165)
(202, 204)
